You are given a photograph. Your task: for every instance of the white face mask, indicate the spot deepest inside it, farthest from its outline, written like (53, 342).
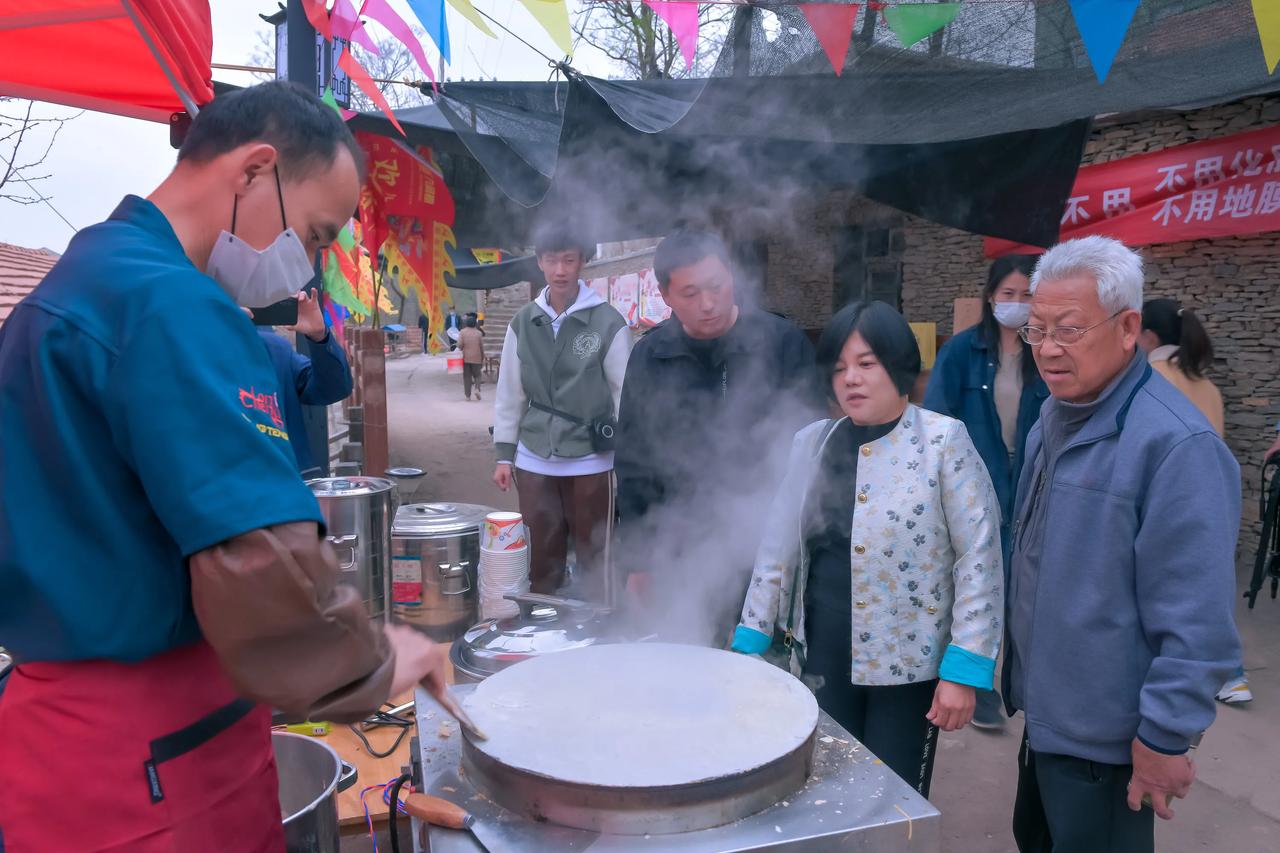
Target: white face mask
(1012, 315)
(256, 279)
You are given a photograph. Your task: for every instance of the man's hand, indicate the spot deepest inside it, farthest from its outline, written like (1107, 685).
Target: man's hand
(418, 661)
(502, 477)
(1160, 778)
(953, 706)
(1273, 450)
(310, 317)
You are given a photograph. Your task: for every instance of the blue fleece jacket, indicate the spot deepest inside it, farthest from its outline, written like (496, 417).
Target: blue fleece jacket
(1132, 631)
(320, 380)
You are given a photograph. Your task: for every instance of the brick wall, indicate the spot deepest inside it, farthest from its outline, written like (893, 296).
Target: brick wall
(1232, 283)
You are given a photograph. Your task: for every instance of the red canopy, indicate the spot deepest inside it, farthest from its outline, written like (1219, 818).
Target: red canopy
(140, 58)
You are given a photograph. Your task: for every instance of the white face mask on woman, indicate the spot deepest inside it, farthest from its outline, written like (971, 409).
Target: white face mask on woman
(256, 279)
(1012, 315)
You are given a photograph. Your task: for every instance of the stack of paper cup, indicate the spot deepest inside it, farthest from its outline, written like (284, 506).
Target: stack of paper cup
(504, 563)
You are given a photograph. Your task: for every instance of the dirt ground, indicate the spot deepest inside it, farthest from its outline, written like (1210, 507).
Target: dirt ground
(1233, 808)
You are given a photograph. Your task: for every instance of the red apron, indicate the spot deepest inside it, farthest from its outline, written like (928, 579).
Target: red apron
(147, 757)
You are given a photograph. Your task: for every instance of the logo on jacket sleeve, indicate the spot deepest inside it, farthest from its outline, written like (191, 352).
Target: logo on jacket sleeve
(269, 405)
(586, 344)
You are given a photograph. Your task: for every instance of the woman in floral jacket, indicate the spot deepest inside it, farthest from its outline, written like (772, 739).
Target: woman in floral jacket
(879, 573)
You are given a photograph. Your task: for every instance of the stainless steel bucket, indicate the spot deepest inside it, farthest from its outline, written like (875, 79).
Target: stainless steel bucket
(357, 512)
(311, 774)
(435, 558)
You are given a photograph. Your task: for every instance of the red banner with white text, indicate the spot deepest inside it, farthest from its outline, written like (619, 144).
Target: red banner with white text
(1224, 187)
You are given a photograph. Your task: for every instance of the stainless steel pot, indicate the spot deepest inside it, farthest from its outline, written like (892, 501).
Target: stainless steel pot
(357, 512)
(435, 557)
(311, 774)
(546, 624)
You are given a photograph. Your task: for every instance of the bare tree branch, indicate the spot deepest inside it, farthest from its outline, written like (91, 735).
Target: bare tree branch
(642, 46)
(27, 144)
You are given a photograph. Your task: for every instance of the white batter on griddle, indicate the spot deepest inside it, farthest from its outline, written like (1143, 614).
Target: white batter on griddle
(641, 715)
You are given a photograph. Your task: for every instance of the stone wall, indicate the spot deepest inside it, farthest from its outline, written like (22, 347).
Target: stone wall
(625, 264)
(1232, 283)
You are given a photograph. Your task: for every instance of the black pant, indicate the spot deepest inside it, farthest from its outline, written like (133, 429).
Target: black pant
(1070, 805)
(889, 721)
(471, 378)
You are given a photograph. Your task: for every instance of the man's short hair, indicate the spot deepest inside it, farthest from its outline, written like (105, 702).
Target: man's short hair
(470, 321)
(887, 333)
(562, 236)
(684, 248)
(1114, 266)
(304, 130)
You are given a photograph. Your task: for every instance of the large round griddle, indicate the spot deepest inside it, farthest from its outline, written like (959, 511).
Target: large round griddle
(640, 738)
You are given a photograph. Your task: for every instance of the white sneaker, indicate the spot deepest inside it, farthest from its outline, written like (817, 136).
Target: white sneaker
(477, 396)
(1235, 692)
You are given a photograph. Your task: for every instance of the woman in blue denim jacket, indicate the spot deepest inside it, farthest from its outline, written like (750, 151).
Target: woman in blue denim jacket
(986, 377)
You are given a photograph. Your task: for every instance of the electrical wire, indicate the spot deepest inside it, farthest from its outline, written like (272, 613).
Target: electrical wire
(391, 819)
(375, 753)
(381, 717)
(18, 174)
(517, 38)
(385, 788)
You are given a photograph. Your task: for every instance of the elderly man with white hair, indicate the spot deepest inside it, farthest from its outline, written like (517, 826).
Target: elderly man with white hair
(1122, 578)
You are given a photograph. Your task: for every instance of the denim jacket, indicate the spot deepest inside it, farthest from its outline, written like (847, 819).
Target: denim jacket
(962, 385)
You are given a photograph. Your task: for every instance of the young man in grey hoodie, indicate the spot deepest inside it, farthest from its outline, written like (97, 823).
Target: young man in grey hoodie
(563, 362)
(1122, 580)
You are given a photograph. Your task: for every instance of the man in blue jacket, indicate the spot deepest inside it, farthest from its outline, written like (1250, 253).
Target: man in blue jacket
(1123, 577)
(320, 380)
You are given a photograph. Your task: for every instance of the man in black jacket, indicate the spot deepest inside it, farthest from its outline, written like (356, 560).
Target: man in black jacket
(710, 403)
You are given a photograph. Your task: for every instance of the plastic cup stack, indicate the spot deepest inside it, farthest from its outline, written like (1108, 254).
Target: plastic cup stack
(504, 563)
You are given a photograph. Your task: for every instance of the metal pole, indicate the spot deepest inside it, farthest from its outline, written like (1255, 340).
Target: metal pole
(183, 95)
(300, 65)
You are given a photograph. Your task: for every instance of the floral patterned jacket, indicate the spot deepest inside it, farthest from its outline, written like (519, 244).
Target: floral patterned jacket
(928, 584)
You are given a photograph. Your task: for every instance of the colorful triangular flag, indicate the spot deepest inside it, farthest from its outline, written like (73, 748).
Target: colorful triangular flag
(832, 23)
(682, 18)
(361, 78)
(466, 10)
(381, 11)
(431, 14)
(554, 18)
(1266, 14)
(912, 22)
(318, 16)
(1102, 25)
(328, 98)
(345, 23)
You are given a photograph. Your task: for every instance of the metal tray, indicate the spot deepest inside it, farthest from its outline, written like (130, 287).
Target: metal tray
(851, 802)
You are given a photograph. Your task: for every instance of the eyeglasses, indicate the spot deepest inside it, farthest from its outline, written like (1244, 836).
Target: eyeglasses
(1063, 336)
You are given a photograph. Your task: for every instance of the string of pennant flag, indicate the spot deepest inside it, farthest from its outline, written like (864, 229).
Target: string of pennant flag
(1102, 25)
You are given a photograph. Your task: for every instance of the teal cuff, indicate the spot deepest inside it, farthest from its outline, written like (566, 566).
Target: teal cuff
(749, 641)
(964, 667)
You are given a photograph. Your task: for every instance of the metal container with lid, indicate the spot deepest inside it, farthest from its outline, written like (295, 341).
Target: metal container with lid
(546, 624)
(357, 514)
(435, 558)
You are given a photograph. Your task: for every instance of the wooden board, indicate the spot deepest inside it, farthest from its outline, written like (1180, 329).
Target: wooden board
(373, 771)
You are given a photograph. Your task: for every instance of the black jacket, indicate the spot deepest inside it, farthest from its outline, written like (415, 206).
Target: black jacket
(697, 416)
